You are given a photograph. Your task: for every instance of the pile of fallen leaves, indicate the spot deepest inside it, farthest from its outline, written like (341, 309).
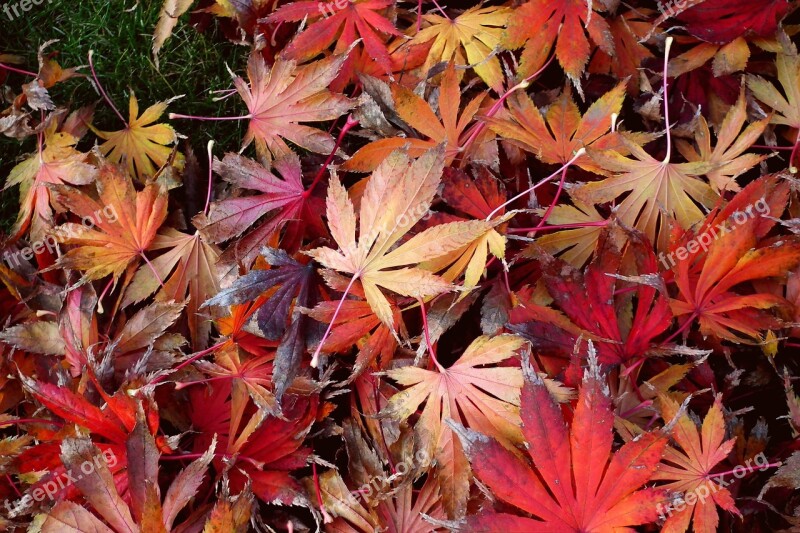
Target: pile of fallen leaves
(518, 267)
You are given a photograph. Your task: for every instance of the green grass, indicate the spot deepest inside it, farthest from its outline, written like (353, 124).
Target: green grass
(192, 63)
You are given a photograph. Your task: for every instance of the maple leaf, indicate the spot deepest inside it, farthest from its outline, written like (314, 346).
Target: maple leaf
(405, 59)
(288, 277)
(722, 21)
(142, 145)
(357, 19)
(634, 403)
(405, 510)
(398, 194)
(35, 93)
(71, 336)
(125, 223)
(144, 509)
(477, 198)
(254, 374)
(188, 268)
(707, 273)
(449, 130)
(356, 324)
(556, 137)
(36, 337)
(280, 98)
(391, 502)
(143, 344)
(689, 467)
(727, 157)
(592, 308)
(481, 396)
(280, 201)
(265, 449)
(287, 282)
(578, 484)
(539, 23)
(471, 38)
(108, 427)
(168, 17)
(77, 324)
(56, 162)
(575, 246)
(786, 109)
(629, 30)
(658, 190)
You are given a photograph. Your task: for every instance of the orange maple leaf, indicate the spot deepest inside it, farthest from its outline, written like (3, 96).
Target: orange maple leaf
(124, 224)
(539, 23)
(56, 162)
(555, 137)
(416, 112)
(471, 392)
(706, 273)
(689, 467)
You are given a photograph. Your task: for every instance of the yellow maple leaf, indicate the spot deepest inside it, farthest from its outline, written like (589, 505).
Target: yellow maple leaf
(397, 196)
(470, 38)
(577, 244)
(143, 144)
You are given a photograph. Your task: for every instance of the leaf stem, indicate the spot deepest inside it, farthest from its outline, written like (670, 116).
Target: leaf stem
(210, 175)
(667, 46)
(441, 10)
(638, 407)
(577, 225)
(13, 485)
(18, 71)
(577, 155)
(103, 91)
(478, 128)
(431, 349)
(348, 125)
(682, 328)
(325, 516)
(555, 200)
(153, 270)
(768, 147)
(792, 168)
(103, 295)
(315, 357)
(190, 360)
(173, 116)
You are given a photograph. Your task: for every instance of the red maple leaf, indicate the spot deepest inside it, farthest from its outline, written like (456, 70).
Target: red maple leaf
(576, 484)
